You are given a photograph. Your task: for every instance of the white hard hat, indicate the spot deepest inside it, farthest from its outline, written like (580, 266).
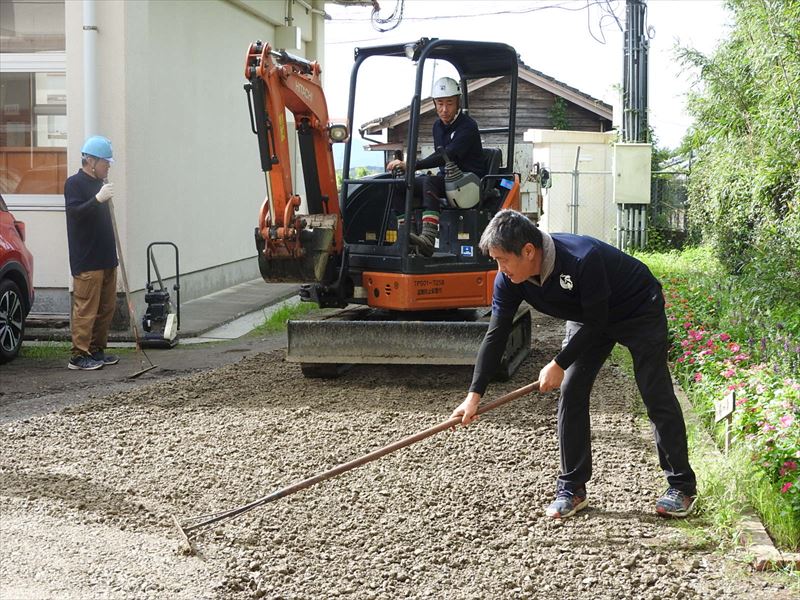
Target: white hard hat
(445, 87)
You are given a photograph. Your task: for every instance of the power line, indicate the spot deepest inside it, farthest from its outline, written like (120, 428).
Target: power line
(605, 6)
(566, 6)
(392, 20)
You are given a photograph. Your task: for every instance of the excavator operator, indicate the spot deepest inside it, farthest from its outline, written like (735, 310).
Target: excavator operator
(456, 133)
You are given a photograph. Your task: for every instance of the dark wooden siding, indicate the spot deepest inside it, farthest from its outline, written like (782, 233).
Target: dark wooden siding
(489, 107)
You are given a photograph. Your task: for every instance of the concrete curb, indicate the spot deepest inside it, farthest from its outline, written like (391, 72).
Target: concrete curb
(766, 556)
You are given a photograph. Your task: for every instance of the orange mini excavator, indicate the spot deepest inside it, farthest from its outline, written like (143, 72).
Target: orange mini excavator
(346, 248)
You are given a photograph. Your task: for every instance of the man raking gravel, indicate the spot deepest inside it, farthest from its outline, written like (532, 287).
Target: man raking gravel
(606, 297)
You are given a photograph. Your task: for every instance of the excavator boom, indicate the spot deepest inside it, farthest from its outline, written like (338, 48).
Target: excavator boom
(293, 245)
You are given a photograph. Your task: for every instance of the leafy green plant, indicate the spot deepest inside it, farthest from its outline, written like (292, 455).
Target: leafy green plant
(558, 114)
(745, 183)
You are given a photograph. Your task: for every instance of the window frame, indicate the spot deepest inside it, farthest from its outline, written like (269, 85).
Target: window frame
(34, 62)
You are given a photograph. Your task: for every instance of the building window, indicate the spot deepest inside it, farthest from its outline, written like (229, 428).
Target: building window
(33, 104)
(32, 26)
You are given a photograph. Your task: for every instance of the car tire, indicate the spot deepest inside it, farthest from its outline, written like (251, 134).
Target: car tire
(12, 320)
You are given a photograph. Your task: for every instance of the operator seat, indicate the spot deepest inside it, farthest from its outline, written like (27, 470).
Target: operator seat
(492, 159)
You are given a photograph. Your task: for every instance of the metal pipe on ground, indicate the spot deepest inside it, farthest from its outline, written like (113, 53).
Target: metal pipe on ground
(192, 524)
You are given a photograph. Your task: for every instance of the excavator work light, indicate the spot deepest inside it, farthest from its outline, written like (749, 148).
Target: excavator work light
(338, 133)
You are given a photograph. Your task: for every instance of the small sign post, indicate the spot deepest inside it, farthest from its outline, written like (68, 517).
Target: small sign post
(723, 409)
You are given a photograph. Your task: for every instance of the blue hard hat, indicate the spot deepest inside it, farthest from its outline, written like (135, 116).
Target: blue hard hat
(99, 147)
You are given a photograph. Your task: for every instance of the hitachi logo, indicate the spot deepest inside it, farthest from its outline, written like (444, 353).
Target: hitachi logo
(303, 91)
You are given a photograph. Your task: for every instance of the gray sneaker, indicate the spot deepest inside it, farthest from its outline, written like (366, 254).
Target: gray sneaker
(675, 504)
(84, 363)
(106, 359)
(567, 503)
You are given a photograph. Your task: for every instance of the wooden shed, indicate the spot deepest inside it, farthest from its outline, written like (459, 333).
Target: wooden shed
(542, 103)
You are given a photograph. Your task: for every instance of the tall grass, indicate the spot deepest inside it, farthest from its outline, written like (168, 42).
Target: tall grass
(52, 349)
(277, 320)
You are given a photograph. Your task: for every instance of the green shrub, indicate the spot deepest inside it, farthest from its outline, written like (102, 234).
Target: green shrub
(745, 181)
(710, 360)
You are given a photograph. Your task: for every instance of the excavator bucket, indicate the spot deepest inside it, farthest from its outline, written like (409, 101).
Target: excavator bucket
(306, 264)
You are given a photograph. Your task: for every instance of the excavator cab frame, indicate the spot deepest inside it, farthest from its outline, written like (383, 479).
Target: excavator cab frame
(390, 275)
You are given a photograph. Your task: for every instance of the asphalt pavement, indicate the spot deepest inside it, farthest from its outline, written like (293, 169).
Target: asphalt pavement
(201, 316)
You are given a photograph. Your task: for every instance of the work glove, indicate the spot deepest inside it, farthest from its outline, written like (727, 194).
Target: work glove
(106, 193)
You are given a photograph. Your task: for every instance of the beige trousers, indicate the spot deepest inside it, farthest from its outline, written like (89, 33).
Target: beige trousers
(94, 297)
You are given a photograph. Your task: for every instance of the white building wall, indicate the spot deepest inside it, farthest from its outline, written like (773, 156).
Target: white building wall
(170, 86)
(191, 157)
(556, 150)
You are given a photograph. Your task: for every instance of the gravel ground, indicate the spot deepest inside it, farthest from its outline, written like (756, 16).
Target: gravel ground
(87, 491)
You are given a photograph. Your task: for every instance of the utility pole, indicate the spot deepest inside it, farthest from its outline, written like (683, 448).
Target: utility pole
(634, 76)
(632, 216)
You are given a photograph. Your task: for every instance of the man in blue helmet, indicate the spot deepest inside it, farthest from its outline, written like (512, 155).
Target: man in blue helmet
(92, 255)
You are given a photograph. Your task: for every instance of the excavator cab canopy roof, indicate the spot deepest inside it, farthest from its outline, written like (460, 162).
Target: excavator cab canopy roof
(472, 59)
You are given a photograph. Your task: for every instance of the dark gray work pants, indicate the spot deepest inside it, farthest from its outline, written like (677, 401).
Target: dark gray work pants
(645, 335)
(428, 192)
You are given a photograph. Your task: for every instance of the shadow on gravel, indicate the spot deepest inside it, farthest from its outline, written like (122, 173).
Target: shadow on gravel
(78, 493)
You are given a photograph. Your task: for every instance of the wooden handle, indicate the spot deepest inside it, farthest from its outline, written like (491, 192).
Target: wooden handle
(205, 520)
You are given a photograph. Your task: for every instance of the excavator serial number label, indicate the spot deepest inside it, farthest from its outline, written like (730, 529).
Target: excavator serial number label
(429, 287)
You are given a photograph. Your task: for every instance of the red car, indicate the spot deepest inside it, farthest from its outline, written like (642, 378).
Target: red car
(16, 283)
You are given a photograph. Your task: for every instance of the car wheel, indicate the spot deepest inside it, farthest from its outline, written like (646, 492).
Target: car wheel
(12, 320)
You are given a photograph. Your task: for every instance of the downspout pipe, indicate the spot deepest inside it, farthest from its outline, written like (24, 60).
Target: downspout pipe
(90, 125)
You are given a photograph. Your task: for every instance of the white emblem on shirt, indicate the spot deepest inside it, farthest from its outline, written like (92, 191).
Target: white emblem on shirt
(565, 281)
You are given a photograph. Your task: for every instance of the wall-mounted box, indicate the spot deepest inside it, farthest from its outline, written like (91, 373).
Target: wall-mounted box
(631, 168)
(287, 37)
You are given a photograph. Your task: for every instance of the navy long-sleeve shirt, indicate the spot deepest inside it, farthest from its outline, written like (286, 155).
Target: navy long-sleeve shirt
(90, 234)
(592, 283)
(462, 143)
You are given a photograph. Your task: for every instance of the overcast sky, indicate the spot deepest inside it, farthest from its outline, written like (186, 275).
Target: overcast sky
(577, 42)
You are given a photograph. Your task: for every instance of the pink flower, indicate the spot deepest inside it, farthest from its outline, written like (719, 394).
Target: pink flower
(728, 373)
(786, 487)
(787, 467)
(698, 376)
(687, 325)
(741, 357)
(787, 420)
(691, 361)
(685, 343)
(733, 347)
(724, 337)
(741, 401)
(680, 360)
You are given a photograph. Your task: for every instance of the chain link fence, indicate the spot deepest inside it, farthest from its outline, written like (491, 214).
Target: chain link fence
(668, 221)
